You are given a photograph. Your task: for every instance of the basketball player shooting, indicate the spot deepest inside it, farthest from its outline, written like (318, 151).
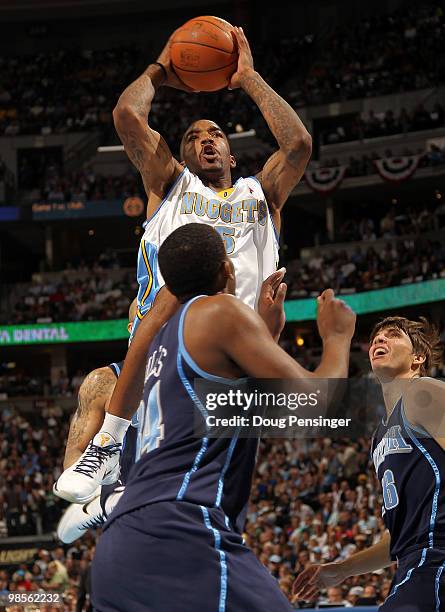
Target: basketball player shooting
(200, 189)
(408, 454)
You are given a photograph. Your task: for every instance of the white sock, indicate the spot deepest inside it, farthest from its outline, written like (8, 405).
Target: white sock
(115, 426)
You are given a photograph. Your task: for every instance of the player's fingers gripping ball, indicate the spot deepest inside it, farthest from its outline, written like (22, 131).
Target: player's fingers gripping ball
(204, 54)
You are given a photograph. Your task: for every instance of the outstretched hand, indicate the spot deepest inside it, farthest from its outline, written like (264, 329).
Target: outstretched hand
(245, 59)
(171, 80)
(315, 577)
(271, 303)
(334, 316)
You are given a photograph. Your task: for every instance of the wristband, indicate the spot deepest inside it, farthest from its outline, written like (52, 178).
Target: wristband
(162, 68)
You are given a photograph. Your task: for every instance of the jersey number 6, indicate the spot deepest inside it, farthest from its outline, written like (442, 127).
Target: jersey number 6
(390, 495)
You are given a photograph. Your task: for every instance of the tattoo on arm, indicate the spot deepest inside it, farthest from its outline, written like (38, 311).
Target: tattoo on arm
(131, 142)
(139, 95)
(151, 157)
(274, 167)
(146, 149)
(281, 118)
(138, 98)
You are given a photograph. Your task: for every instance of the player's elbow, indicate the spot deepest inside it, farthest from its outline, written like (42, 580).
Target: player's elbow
(301, 145)
(123, 114)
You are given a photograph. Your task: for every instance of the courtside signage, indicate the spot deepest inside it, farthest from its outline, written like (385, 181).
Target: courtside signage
(51, 211)
(60, 333)
(296, 310)
(374, 301)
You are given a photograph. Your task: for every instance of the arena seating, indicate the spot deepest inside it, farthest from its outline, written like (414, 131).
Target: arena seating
(379, 55)
(375, 125)
(52, 184)
(311, 501)
(96, 296)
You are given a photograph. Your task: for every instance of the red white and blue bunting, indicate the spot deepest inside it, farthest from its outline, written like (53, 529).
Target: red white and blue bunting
(325, 180)
(396, 169)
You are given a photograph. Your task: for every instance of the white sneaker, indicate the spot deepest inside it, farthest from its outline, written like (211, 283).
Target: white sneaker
(99, 465)
(78, 518)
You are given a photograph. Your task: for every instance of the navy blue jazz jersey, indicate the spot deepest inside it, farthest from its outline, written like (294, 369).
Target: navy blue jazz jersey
(410, 466)
(171, 544)
(173, 464)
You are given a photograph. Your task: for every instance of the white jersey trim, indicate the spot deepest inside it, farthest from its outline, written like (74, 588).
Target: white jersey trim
(164, 200)
(277, 235)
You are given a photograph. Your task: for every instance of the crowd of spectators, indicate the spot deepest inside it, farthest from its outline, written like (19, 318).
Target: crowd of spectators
(386, 123)
(95, 297)
(364, 165)
(65, 572)
(107, 260)
(85, 184)
(85, 291)
(401, 262)
(53, 185)
(314, 500)
(16, 382)
(31, 454)
(396, 222)
(378, 55)
(73, 90)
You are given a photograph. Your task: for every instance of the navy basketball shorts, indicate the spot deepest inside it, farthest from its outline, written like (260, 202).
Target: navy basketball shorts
(419, 583)
(179, 557)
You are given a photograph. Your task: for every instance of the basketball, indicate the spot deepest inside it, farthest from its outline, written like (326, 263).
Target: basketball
(204, 53)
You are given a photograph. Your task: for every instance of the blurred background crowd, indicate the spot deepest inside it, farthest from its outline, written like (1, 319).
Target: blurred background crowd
(93, 294)
(312, 501)
(370, 87)
(52, 184)
(73, 90)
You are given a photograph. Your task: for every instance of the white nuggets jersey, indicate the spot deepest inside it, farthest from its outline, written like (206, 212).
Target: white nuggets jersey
(241, 216)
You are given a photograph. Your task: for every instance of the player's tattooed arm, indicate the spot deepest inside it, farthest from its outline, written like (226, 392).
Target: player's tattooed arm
(284, 169)
(94, 394)
(145, 147)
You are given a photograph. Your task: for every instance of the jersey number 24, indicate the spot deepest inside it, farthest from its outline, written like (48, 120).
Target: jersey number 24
(151, 430)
